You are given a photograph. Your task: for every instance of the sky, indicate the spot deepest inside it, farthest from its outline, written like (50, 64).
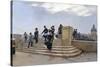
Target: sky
(29, 15)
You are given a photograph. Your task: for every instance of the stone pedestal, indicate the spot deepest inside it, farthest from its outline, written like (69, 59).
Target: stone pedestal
(67, 35)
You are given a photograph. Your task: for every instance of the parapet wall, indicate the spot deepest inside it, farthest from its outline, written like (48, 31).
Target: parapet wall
(87, 46)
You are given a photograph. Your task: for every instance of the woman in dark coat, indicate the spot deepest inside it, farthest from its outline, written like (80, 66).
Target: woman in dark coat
(45, 31)
(75, 34)
(36, 33)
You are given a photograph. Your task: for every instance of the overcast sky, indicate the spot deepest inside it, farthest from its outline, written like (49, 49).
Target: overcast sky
(29, 15)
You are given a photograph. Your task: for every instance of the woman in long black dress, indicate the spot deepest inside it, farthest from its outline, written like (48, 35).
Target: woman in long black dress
(49, 40)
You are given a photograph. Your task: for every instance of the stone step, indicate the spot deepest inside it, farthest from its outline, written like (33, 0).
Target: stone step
(67, 51)
(70, 54)
(61, 55)
(59, 49)
(62, 46)
(54, 47)
(56, 51)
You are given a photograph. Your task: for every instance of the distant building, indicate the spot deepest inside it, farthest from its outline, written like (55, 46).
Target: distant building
(93, 32)
(92, 36)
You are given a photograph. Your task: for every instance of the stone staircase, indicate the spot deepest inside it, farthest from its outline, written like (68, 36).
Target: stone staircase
(61, 51)
(57, 49)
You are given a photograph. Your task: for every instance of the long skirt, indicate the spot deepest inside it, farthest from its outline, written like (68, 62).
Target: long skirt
(49, 45)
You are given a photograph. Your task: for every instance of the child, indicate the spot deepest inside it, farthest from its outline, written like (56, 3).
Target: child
(30, 40)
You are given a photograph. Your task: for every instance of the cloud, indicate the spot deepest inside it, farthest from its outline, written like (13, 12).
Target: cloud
(35, 4)
(80, 10)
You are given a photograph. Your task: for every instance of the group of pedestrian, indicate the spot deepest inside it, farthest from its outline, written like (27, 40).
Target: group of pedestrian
(77, 35)
(31, 38)
(47, 34)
